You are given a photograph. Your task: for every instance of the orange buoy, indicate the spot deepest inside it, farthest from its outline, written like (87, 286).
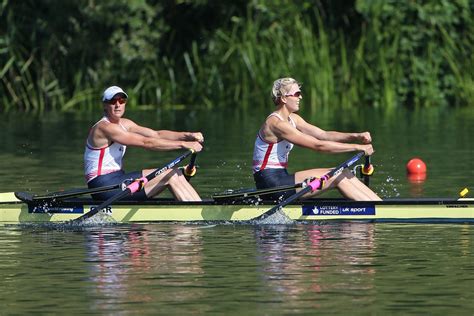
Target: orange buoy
(416, 166)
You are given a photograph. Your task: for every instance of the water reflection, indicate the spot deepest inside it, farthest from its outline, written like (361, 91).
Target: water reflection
(126, 264)
(285, 269)
(301, 262)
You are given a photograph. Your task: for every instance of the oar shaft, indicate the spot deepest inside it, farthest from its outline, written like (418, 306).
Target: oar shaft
(135, 186)
(190, 170)
(367, 166)
(106, 203)
(367, 170)
(295, 196)
(314, 185)
(253, 192)
(38, 198)
(71, 193)
(170, 165)
(192, 162)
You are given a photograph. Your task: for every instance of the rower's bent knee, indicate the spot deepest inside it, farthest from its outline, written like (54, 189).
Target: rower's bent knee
(176, 176)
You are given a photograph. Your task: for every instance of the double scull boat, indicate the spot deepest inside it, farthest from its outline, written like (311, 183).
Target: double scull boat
(16, 211)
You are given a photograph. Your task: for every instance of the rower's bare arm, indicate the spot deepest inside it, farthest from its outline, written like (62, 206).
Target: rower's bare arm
(163, 134)
(335, 136)
(117, 134)
(144, 131)
(284, 130)
(309, 129)
(186, 136)
(166, 134)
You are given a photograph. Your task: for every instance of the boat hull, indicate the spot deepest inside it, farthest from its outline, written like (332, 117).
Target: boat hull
(163, 210)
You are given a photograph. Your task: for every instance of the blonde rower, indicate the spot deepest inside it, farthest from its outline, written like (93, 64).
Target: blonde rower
(283, 129)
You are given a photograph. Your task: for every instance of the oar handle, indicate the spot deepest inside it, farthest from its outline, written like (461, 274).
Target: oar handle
(190, 170)
(137, 185)
(367, 170)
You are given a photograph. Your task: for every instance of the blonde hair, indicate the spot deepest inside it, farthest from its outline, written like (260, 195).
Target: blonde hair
(281, 87)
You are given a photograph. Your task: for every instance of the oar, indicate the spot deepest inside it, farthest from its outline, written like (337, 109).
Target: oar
(190, 170)
(243, 193)
(133, 187)
(367, 170)
(314, 185)
(27, 197)
(37, 198)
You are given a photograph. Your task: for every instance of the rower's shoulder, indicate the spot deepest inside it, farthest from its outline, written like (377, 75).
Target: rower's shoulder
(106, 129)
(296, 117)
(128, 123)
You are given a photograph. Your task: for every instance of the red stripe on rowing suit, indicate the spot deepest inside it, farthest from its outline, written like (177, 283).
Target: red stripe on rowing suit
(101, 159)
(267, 154)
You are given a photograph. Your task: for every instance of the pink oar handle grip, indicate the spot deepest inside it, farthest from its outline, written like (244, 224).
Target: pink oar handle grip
(137, 185)
(317, 183)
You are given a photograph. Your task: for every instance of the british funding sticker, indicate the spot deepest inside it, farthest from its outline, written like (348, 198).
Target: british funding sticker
(328, 210)
(55, 209)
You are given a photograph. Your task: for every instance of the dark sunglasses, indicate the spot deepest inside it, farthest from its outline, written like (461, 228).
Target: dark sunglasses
(114, 100)
(297, 94)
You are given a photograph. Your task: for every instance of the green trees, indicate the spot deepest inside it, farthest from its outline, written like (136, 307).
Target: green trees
(61, 54)
(419, 48)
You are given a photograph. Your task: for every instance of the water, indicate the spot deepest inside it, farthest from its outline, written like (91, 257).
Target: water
(225, 269)
(45, 153)
(342, 268)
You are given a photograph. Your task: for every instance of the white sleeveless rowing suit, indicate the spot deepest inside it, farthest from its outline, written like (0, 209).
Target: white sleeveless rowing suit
(271, 155)
(100, 161)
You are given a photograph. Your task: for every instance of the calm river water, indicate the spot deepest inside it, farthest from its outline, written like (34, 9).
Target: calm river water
(345, 268)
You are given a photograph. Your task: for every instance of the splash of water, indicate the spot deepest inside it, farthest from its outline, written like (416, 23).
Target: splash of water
(277, 218)
(389, 189)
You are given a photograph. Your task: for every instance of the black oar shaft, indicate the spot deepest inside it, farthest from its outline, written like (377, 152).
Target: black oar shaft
(367, 165)
(190, 170)
(37, 198)
(255, 192)
(71, 193)
(135, 186)
(104, 204)
(192, 162)
(316, 184)
(295, 196)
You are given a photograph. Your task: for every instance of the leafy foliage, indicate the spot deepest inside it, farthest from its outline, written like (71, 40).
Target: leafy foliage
(62, 54)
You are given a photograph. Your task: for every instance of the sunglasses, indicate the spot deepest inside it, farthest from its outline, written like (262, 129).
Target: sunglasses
(114, 100)
(297, 94)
